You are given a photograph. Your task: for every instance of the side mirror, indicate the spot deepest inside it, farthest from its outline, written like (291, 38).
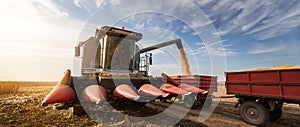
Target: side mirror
(150, 59)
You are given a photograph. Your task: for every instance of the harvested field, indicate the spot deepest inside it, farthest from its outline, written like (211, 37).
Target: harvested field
(9, 87)
(24, 109)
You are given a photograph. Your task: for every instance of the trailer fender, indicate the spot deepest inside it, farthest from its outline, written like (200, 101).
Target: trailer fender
(271, 104)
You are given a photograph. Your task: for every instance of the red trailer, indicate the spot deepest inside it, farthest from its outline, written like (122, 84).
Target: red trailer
(261, 93)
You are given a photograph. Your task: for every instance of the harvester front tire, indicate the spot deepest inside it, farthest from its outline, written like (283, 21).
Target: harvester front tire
(254, 113)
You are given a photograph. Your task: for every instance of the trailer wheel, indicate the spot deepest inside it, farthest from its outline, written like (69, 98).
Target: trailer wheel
(254, 113)
(189, 101)
(275, 114)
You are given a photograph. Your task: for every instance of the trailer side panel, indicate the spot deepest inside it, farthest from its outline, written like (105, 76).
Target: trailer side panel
(281, 84)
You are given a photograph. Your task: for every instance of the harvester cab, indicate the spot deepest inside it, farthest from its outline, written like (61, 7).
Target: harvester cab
(112, 50)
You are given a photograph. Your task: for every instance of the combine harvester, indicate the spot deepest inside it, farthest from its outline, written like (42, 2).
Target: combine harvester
(112, 68)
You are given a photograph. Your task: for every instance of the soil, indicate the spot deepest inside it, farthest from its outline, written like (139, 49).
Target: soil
(24, 109)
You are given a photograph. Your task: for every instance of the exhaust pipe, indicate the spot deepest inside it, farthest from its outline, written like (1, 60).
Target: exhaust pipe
(125, 91)
(94, 93)
(150, 90)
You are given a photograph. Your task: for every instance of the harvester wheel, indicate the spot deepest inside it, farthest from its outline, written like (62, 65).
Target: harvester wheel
(189, 101)
(275, 114)
(78, 110)
(254, 113)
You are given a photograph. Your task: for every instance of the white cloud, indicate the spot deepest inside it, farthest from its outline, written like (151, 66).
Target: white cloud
(200, 23)
(279, 47)
(139, 26)
(261, 19)
(47, 8)
(213, 49)
(194, 25)
(185, 29)
(156, 35)
(273, 59)
(202, 2)
(89, 5)
(263, 48)
(258, 19)
(99, 3)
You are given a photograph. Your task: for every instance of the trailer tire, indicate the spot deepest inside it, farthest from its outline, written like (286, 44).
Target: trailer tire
(254, 113)
(275, 114)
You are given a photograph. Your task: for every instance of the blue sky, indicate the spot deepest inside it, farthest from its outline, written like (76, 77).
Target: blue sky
(37, 37)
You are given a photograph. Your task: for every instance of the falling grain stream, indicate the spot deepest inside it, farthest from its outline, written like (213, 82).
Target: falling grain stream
(184, 62)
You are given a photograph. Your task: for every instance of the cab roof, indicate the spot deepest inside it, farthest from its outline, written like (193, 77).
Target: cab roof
(113, 31)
